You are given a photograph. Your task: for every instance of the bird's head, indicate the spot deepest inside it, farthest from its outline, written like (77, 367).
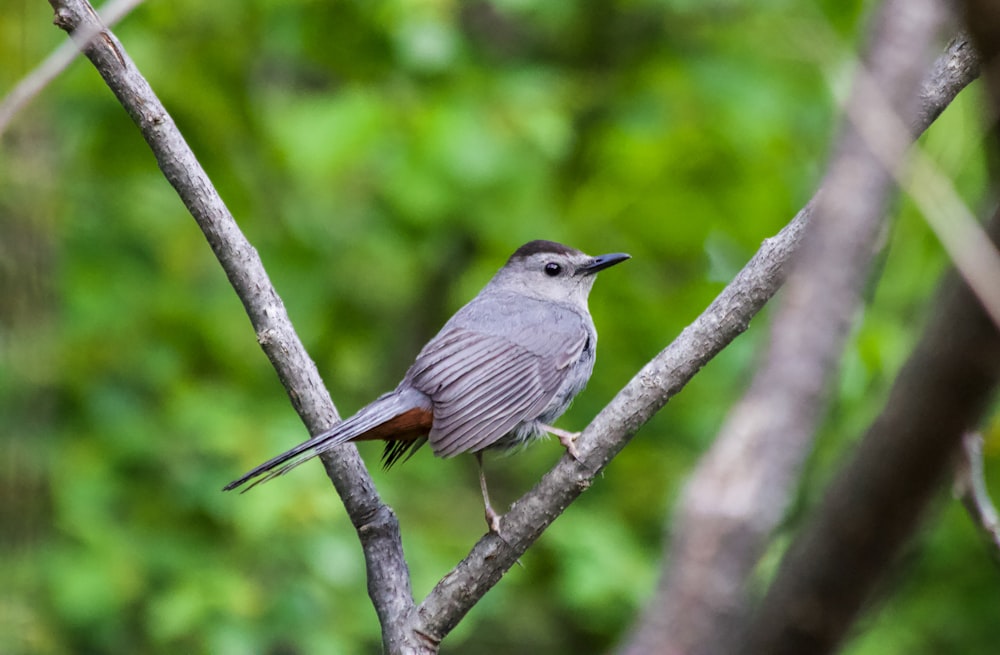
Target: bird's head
(552, 271)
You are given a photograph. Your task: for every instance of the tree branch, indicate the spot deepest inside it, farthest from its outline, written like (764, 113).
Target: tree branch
(377, 527)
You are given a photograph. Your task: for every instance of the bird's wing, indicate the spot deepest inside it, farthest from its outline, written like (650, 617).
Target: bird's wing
(482, 385)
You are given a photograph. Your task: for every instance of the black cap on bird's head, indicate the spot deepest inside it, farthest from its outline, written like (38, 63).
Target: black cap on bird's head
(588, 267)
(542, 246)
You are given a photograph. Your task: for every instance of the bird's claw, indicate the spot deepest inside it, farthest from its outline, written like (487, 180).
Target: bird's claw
(567, 439)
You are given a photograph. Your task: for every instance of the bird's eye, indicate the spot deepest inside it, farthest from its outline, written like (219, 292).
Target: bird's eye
(553, 269)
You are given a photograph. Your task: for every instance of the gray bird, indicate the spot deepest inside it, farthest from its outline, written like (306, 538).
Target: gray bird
(499, 372)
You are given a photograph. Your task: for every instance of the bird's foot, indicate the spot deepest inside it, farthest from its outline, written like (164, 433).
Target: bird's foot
(567, 439)
(492, 518)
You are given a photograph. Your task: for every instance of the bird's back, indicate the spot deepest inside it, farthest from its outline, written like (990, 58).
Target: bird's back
(500, 364)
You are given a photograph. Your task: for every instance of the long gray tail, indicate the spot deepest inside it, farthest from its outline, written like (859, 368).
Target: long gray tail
(369, 417)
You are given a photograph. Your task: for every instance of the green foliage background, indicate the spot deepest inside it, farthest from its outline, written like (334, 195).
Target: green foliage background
(385, 157)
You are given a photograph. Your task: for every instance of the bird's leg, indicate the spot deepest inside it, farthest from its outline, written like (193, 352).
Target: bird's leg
(567, 439)
(492, 518)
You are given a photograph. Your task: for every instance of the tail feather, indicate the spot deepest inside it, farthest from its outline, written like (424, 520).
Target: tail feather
(369, 418)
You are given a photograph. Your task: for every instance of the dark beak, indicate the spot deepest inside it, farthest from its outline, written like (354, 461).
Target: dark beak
(602, 262)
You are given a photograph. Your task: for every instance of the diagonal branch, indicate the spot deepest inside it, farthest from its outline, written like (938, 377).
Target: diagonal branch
(378, 529)
(646, 393)
(726, 318)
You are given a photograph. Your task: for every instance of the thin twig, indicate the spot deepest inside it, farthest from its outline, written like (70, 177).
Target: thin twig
(35, 82)
(970, 488)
